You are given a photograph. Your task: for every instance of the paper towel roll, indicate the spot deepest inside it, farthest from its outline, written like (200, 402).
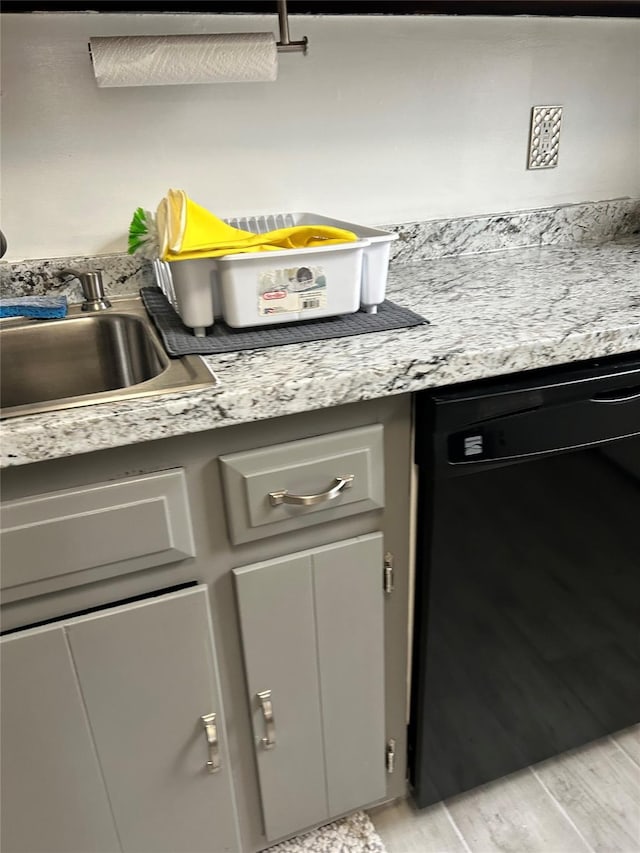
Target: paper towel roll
(172, 60)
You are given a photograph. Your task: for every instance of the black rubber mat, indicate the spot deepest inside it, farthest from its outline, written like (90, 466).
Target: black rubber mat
(179, 340)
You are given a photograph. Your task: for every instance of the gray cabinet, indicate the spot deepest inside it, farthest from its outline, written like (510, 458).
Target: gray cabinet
(313, 638)
(103, 744)
(130, 695)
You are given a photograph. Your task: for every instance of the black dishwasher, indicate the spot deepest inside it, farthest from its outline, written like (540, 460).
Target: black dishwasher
(527, 597)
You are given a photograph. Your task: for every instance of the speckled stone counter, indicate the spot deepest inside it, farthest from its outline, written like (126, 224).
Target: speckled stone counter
(490, 314)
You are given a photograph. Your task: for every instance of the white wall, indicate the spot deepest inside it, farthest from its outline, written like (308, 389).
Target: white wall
(388, 119)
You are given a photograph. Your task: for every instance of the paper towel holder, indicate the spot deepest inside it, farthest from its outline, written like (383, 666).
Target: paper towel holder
(113, 67)
(285, 45)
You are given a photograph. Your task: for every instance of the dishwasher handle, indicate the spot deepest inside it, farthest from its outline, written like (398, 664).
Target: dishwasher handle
(623, 395)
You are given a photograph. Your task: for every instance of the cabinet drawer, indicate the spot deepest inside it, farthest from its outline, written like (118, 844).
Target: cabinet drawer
(70, 537)
(263, 487)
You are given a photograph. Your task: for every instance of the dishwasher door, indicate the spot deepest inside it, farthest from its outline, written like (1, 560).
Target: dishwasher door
(527, 620)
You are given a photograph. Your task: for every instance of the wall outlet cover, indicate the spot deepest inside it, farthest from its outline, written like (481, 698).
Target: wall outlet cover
(544, 137)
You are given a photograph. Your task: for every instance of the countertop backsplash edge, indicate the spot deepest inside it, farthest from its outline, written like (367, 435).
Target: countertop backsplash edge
(563, 225)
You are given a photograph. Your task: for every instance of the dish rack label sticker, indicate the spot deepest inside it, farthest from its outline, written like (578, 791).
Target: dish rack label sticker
(291, 290)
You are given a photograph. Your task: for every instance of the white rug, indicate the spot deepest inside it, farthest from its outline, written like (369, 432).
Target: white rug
(353, 834)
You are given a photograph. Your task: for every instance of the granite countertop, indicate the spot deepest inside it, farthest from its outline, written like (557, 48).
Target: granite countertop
(490, 314)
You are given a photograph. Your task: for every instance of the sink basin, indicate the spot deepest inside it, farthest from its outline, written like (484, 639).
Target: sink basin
(87, 359)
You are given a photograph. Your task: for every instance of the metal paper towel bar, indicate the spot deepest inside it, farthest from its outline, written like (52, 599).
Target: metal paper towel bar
(285, 45)
(216, 58)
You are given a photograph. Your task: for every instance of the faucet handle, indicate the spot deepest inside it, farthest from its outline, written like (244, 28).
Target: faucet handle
(92, 288)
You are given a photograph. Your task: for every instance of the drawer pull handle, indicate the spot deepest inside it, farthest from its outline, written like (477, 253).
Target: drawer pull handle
(211, 731)
(338, 485)
(269, 739)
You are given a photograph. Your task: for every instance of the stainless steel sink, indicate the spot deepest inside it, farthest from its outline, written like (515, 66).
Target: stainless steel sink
(116, 354)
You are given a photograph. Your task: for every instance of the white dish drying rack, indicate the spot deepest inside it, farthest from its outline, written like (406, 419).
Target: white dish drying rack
(281, 286)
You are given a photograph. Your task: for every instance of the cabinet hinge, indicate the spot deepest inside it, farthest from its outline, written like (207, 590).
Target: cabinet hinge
(390, 755)
(388, 573)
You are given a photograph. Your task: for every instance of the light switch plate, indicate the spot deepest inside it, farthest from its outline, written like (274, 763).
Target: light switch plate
(544, 137)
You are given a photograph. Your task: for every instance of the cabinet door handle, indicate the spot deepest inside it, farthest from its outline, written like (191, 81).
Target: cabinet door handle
(269, 739)
(211, 732)
(338, 485)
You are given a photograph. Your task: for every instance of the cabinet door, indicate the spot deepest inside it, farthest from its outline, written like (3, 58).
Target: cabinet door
(312, 632)
(148, 673)
(349, 616)
(53, 796)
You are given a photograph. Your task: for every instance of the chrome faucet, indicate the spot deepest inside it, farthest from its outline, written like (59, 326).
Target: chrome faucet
(92, 289)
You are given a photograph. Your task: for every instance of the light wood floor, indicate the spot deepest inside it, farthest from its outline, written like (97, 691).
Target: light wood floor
(583, 801)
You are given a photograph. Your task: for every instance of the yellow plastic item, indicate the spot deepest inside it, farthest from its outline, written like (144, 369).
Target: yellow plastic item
(187, 231)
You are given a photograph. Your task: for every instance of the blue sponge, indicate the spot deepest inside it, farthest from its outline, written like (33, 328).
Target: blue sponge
(42, 307)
